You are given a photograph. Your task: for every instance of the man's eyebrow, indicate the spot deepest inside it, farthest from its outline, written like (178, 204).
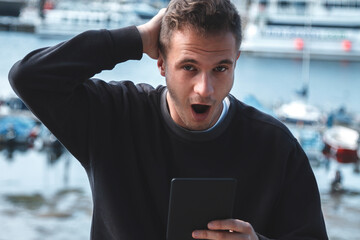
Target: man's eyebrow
(226, 61)
(187, 60)
(190, 60)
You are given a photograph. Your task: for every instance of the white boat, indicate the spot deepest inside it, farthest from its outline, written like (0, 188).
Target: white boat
(341, 143)
(324, 29)
(70, 18)
(300, 113)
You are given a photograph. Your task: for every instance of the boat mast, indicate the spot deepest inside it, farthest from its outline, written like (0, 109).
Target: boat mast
(306, 52)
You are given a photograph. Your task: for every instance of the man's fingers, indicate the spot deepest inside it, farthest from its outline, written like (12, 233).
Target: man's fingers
(160, 14)
(230, 229)
(234, 225)
(150, 34)
(219, 235)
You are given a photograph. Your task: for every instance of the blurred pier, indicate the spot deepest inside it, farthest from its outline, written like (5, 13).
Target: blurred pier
(9, 16)
(13, 24)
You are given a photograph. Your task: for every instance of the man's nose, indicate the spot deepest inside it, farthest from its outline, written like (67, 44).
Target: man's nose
(204, 85)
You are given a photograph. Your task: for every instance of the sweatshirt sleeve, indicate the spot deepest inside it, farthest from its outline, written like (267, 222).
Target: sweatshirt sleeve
(298, 212)
(52, 81)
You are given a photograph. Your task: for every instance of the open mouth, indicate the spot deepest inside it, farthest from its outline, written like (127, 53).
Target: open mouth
(200, 109)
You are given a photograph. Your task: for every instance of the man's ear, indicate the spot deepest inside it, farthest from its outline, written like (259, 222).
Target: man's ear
(161, 64)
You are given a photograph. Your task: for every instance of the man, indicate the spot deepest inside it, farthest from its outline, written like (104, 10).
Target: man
(133, 139)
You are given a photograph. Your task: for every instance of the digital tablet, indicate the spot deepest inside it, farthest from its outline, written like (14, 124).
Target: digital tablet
(194, 202)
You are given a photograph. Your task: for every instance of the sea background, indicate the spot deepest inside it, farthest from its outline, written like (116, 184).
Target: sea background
(46, 195)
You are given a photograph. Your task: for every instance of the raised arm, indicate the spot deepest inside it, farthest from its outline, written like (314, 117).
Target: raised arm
(54, 82)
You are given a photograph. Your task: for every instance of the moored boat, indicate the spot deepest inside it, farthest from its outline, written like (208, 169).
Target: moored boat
(341, 144)
(323, 29)
(68, 18)
(300, 113)
(18, 130)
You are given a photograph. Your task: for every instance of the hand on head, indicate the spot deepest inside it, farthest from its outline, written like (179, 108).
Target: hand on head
(150, 34)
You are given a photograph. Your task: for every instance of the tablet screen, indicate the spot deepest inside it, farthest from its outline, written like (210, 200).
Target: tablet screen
(194, 202)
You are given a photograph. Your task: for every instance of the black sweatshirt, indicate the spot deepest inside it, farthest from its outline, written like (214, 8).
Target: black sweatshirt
(130, 147)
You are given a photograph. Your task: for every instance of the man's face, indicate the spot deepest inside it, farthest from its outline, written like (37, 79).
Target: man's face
(199, 74)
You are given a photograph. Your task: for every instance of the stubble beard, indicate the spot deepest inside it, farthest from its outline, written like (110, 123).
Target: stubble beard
(181, 111)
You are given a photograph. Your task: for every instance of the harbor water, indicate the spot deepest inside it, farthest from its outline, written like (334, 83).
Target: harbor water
(45, 194)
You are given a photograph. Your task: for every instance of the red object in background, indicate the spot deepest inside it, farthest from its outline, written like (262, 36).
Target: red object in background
(299, 44)
(346, 45)
(340, 154)
(48, 5)
(346, 156)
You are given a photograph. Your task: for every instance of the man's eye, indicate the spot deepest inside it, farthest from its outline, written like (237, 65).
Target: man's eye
(188, 68)
(220, 69)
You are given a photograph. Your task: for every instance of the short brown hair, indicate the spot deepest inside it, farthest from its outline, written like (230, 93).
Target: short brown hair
(203, 16)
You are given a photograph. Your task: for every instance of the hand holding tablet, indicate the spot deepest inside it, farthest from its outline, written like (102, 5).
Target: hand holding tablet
(227, 229)
(202, 209)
